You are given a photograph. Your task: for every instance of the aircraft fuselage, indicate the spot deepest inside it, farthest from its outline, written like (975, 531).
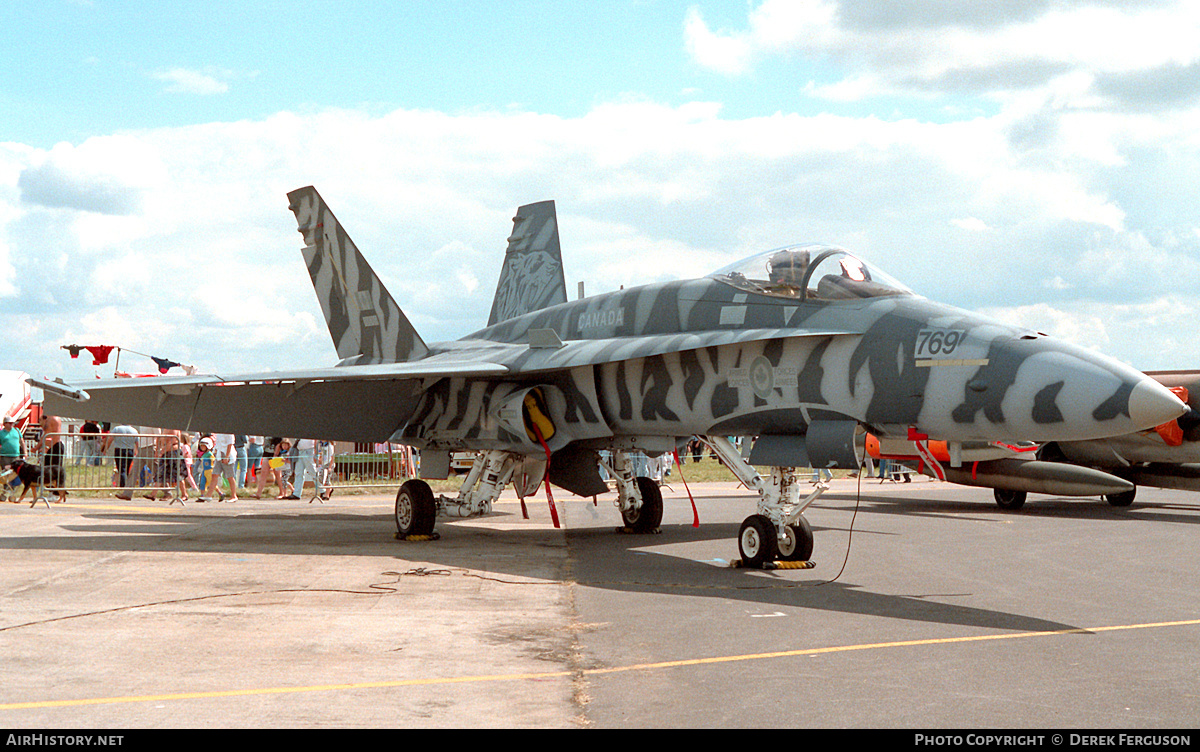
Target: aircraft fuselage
(701, 357)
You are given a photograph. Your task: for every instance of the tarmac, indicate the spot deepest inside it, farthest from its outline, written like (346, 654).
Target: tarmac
(928, 608)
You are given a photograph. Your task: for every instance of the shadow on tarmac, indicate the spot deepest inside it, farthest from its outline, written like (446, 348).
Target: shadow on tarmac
(595, 556)
(1081, 508)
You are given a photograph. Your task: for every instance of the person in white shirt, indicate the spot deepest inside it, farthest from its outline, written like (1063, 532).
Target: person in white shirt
(306, 467)
(122, 440)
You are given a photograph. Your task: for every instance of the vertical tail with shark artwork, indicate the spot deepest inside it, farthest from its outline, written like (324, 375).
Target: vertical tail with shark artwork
(366, 324)
(532, 276)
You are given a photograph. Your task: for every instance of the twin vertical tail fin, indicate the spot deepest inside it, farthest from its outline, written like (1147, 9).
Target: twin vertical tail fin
(366, 324)
(532, 276)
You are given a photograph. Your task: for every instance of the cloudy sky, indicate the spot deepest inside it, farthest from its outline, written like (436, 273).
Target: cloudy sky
(1038, 160)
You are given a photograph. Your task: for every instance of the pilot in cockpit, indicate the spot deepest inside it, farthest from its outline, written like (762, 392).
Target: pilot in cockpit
(809, 272)
(788, 267)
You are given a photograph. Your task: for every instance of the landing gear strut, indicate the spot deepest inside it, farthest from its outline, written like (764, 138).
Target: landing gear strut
(639, 498)
(779, 531)
(417, 509)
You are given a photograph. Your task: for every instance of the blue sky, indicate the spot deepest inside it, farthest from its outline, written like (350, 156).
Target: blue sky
(1035, 159)
(108, 65)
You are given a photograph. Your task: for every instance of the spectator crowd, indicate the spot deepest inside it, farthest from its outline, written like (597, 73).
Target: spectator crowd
(179, 464)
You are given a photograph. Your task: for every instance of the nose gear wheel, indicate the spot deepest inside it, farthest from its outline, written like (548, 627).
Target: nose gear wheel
(796, 544)
(757, 541)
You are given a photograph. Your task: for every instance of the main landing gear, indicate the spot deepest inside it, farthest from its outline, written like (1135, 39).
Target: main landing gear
(417, 509)
(1014, 500)
(638, 499)
(779, 532)
(758, 543)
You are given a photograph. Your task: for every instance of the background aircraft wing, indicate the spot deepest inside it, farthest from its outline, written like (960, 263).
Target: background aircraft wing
(344, 403)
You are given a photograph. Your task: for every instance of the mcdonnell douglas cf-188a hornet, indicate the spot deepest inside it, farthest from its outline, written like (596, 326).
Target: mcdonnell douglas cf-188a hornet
(806, 347)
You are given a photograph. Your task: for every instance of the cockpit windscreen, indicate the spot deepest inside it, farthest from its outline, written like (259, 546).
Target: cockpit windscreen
(810, 272)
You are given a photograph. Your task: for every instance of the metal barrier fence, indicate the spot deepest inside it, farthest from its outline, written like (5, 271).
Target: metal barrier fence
(122, 463)
(147, 464)
(372, 468)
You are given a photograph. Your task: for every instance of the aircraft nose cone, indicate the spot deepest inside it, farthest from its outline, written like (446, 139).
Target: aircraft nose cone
(1151, 404)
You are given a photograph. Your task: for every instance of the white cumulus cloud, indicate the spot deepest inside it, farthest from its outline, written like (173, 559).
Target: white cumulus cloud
(207, 270)
(184, 81)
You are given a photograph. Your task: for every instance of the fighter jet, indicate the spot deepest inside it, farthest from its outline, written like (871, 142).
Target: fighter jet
(1165, 456)
(806, 347)
(1012, 471)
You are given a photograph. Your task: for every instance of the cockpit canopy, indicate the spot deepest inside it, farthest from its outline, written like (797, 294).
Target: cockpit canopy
(810, 272)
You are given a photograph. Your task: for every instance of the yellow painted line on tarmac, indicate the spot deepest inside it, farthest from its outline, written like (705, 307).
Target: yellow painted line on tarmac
(586, 672)
(278, 690)
(883, 645)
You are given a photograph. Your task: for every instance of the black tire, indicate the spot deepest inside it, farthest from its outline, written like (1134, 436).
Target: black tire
(648, 517)
(1123, 499)
(1010, 500)
(416, 510)
(797, 542)
(757, 541)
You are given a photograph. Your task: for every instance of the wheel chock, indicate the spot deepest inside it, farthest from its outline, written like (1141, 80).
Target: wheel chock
(794, 564)
(771, 565)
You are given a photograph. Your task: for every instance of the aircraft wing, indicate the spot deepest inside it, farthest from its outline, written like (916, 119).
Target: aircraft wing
(346, 403)
(353, 402)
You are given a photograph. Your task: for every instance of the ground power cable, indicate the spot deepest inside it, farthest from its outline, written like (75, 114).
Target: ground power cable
(853, 517)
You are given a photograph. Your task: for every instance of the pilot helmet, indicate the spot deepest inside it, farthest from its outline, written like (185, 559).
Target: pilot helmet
(787, 267)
